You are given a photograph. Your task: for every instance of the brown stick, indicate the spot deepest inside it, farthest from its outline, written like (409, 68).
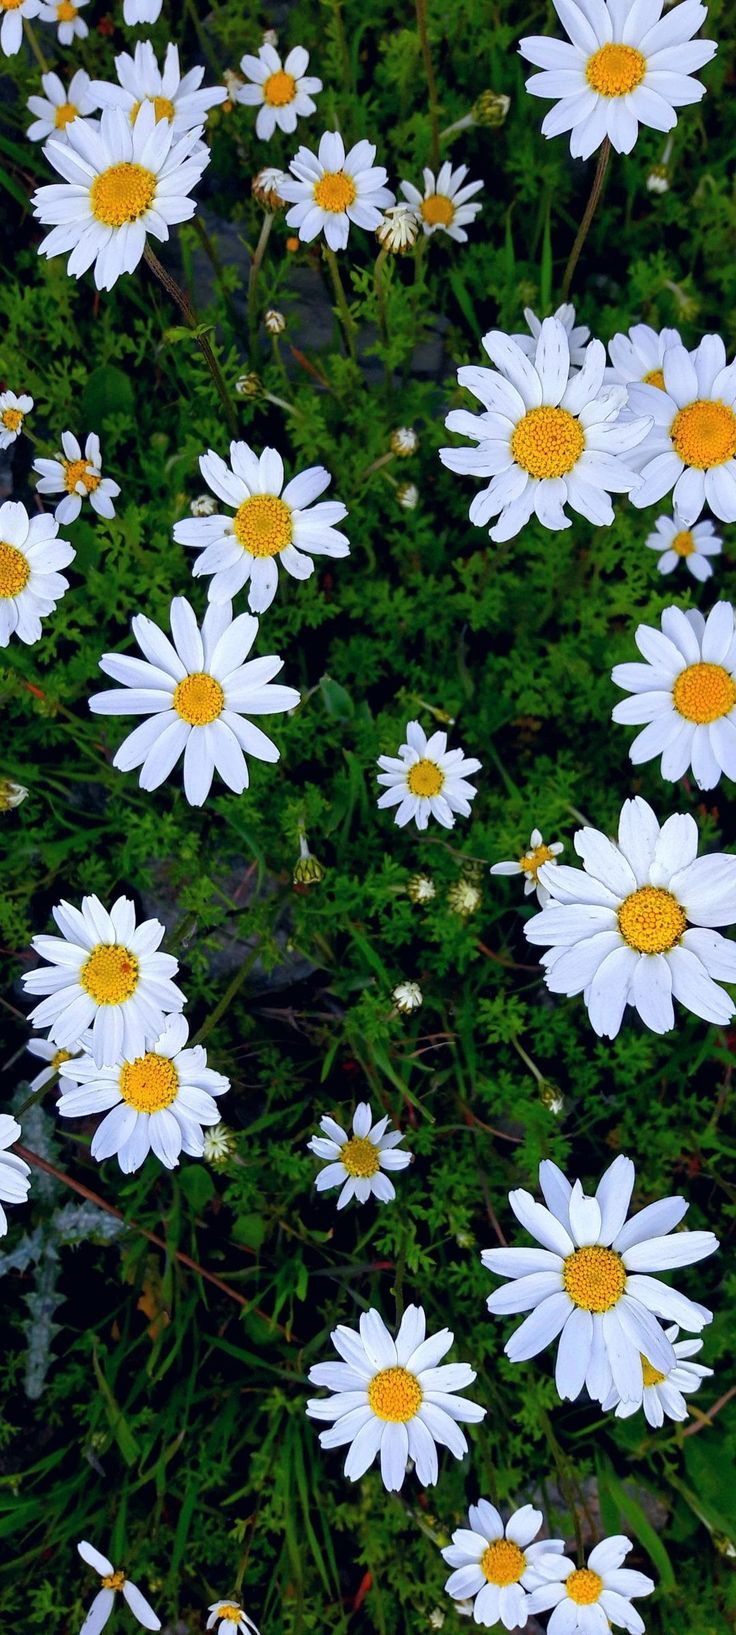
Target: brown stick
(588, 215)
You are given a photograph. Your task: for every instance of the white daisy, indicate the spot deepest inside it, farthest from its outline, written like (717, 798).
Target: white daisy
(686, 694)
(141, 11)
(13, 411)
(272, 524)
(546, 437)
(426, 779)
(156, 1102)
(11, 32)
(121, 182)
(530, 863)
(392, 1398)
(14, 1172)
(65, 15)
(407, 997)
(112, 1581)
(58, 108)
(578, 335)
(626, 66)
(498, 1565)
(444, 205)
(637, 358)
(691, 446)
(282, 92)
(663, 1395)
(590, 1600)
(618, 928)
(31, 554)
(586, 1283)
(104, 973)
(197, 693)
(175, 97)
(48, 1052)
(77, 476)
(228, 1615)
(678, 543)
(357, 1162)
(330, 189)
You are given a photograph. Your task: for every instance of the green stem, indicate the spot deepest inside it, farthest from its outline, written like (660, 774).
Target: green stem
(588, 215)
(185, 307)
(35, 47)
(210, 250)
(255, 268)
(434, 108)
(379, 286)
(227, 998)
(344, 313)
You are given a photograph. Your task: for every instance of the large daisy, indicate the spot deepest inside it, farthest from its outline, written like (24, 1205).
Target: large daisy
(426, 779)
(282, 92)
(64, 14)
(13, 411)
(197, 692)
(11, 31)
(445, 205)
(678, 543)
(591, 1283)
(330, 189)
(104, 973)
(685, 693)
(638, 357)
(77, 477)
(578, 335)
(529, 864)
(634, 926)
(120, 183)
(112, 1582)
(176, 98)
(691, 444)
(31, 554)
(663, 1395)
(58, 108)
(14, 1172)
(357, 1163)
(497, 1565)
(272, 524)
(546, 437)
(392, 1399)
(626, 65)
(590, 1600)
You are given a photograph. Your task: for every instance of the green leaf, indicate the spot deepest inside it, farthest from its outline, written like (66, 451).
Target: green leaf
(618, 1501)
(108, 391)
(336, 699)
(118, 1423)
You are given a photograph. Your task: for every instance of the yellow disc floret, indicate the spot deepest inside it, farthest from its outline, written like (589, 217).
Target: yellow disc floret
(438, 210)
(594, 1277)
(548, 442)
(650, 1374)
(121, 194)
(615, 70)
(683, 543)
(15, 571)
(584, 1587)
(655, 377)
(199, 699)
(279, 89)
(113, 1581)
(163, 108)
(66, 12)
(502, 1562)
(703, 693)
(704, 434)
(230, 1612)
(64, 115)
(395, 1395)
(424, 778)
(12, 419)
(149, 1083)
(360, 1157)
(110, 974)
(78, 471)
(262, 525)
(651, 920)
(58, 1057)
(335, 191)
(532, 861)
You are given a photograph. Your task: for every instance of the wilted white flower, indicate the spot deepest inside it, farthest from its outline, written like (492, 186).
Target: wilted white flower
(404, 441)
(274, 322)
(407, 495)
(204, 505)
(407, 996)
(398, 228)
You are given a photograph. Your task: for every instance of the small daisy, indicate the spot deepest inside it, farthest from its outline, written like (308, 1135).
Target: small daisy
(141, 11)
(638, 357)
(634, 926)
(391, 1397)
(546, 438)
(331, 189)
(407, 997)
(111, 1583)
(589, 1600)
(282, 93)
(14, 1172)
(197, 693)
(691, 446)
(356, 1162)
(578, 335)
(626, 66)
(175, 97)
(445, 204)
(272, 524)
(218, 1144)
(48, 1052)
(58, 108)
(530, 864)
(686, 693)
(228, 1615)
(426, 779)
(11, 32)
(69, 25)
(31, 554)
(120, 183)
(13, 411)
(585, 1283)
(498, 1565)
(678, 543)
(104, 973)
(77, 476)
(663, 1395)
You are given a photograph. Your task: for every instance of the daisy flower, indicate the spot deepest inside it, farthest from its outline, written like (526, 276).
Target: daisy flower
(77, 476)
(392, 1398)
(14, 1172)
(578, 335)
(272, 524)
(407, 997)
(197, 692)
(69, 25)
(426, 779)
(546, 437)
(282, 92)
(626, 66)
(58, 108)
(498, 1565)
(634, 926)
(156, 1102)
(11, 31)
(398, 228)
(530, 864)
(686, 694)
(663, 1395)
(591, 1599)
(112, 1581)
(104, 973)
(31, 554)
(48, 1052)
(175, 97)
(120, 183)
(638, 357)
(691, 446)
(13, 411)
(141, 11)
(678, 543)
(331, 189)
(357, 1162)
(445, 204)
(228, 1615)
(590, 1282)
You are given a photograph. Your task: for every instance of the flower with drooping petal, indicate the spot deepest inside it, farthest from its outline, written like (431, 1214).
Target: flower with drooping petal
(178, 99)
(230, 1616)
(31, 553)
(498, 1564)
(426, 779)
(578, 335)
(589, 1600)
(13, 411)
(112, 1583)
(685, 692)
(330, 189)
(357, 1163)
(78, 477)
(663, 1395)
(14, 1171)
(678, 543)
(638, 356)
(58, 108)
(530, 863)
(690, 447)
(65, 15)
(282, 92)
(11, 32)
(444, 206)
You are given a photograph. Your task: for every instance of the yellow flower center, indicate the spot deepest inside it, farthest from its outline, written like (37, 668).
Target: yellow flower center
(58, 1057)
(532, 861)
(10, 5)
(199, 699)
(64, 114)
(113, 1581)
(110, 975)
(615, 70)
(12, 419)
(262, 525)
(683, 543)
(149, 1083)
(650, 1375)
(360, 1157)
(595, 1278)
(162, 106)
(655, 377)
(122, 193)
(65, 12)
(438, 210)
(424, 778)
(335, 191)
(15, 571)
(395, 1394)
(502, 1562)
(548, 442)
(279, 89)
(704, 434)
(584, 1587)
(704, 692)
(232, 1613)
(651, 920)
(77, 471)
